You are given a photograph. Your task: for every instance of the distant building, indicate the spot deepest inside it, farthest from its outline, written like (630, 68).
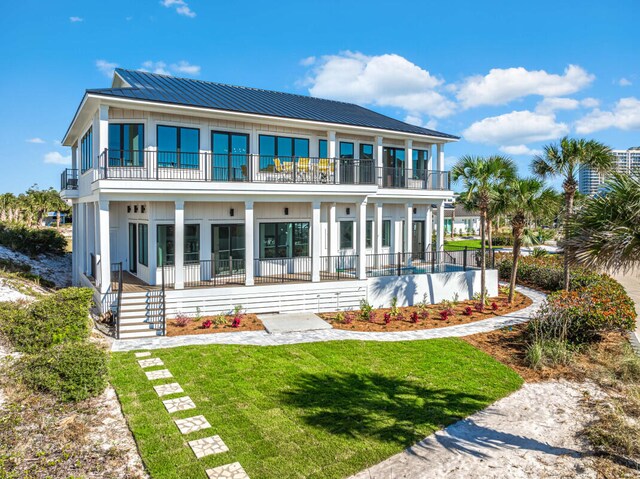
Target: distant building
(627, 161)
(461, 220)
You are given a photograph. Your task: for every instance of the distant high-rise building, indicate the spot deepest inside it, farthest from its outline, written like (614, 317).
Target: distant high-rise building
(627, 161)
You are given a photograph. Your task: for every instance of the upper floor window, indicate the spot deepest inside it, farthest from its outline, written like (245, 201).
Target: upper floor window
(323, 151)
(366, 151)
(178, 147)
(420, 159)
(346, 150)
(86, 150)
(126, 144)
(281, 148)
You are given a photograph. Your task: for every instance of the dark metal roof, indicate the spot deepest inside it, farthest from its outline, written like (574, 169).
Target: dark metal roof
(185, 91)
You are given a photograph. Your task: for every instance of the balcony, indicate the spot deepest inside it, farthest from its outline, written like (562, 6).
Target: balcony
(69, 179)
(145, 165)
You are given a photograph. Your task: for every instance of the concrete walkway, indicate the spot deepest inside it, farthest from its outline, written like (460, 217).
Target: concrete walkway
(262, 338)
(292, 322)
(631, 283)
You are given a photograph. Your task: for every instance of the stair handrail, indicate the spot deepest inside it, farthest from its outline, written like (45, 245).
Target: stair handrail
(119, 300)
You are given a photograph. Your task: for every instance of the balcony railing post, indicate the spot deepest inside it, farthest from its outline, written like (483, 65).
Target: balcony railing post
(464, 260)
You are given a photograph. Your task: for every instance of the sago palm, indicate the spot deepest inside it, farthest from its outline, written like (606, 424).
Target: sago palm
(565, 160)
(605, 233)
(480, 177)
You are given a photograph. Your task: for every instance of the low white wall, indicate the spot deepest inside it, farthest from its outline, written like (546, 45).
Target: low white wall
(411, 289)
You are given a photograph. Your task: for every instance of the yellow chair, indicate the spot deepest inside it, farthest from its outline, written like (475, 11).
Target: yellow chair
(277, 165)
(303, 165)
(325, 166)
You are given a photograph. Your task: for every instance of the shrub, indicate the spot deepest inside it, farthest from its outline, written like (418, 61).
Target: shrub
(236, 322)
(444, 314)
(365, 310)
(387, 318)
(206, 324)
(500, 240)
(467, 311)
(414, 317)
(55, 319)
(182, 320)
(494, 306)
(394, 306)
(424, 314)
(548, 352)
(32, 241)
(219, 320)
(71, 371)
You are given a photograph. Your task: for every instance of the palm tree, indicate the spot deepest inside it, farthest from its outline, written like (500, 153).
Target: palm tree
(480, 176)
(523, 200)
(605, 233)
(565, 159)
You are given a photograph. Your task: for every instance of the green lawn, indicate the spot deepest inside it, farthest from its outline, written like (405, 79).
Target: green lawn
(320, 410)
(456, 245)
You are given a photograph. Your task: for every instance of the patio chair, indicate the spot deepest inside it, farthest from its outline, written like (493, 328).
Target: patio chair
(325, 167)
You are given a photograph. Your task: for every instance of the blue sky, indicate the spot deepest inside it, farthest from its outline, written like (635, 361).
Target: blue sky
(507, 76)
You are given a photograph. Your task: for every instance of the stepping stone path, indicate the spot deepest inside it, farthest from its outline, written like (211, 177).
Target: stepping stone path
(145, 363)
(200, 447)
(179, 404)
(228, 471)
(166, 389)
(207, 446)
(159, 374)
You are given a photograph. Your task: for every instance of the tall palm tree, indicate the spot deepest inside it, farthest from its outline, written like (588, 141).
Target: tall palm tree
(605, 232)
(565, 159)
(480, 176)
(523, 199)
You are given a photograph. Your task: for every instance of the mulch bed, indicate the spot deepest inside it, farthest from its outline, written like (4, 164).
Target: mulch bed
(433, 319)
(249, 322)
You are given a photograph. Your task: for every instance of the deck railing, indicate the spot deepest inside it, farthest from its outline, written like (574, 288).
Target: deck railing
(215, 272)
(69, 179)
(339, 267)
(256, 168)
(399, 264)
(282, 270)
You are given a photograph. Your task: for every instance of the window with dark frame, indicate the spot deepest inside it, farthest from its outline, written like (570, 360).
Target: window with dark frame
(284, 240)
(346, 150)
(323, 149)
(178, 147)
(166, 252)
(281, 147)
(346, 234)
(191, 243)
(386, 233)
(126, 144)
(366, 151)
(143, 244)
(86, 151)
(369, 235)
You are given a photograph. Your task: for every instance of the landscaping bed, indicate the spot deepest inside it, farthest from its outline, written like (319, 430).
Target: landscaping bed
(181, 326)
(425, 316)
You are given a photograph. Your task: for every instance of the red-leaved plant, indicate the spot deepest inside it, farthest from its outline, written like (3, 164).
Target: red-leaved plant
(444, 314)
(182, 320)
(467, 311)
(479, 307)
(387, 318)
(424, 314)
(236, 322)
(494, 306)
(348, 318)
(414, 317)
(206, 324)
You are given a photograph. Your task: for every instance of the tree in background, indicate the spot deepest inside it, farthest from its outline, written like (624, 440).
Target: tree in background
(32, 206)
(565, 159)
(480, 177)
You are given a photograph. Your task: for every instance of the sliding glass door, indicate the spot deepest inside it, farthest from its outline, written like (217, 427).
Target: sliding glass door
(227, 248)
(394, 167)
(230, 152)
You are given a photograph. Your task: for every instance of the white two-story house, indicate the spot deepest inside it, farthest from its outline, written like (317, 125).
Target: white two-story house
(212, 195)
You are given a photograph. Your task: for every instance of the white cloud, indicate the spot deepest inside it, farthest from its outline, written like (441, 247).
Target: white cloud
(417, 120)
(549, 105)
(36, 140)
(76, 19)
(307, 62)
(155, 67)
(186, 68)
(624, 82)
(106, 67)
(519, 150)
(590, 102)
(57, 158)
(625, 115)
(182, 8)
(516, 128)
(500, 86)
(387, 80)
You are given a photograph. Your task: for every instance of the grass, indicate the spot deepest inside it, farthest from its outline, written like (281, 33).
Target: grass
(457, 245)
(320, 410)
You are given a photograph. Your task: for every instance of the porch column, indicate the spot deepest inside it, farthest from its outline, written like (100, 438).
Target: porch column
(77, 246)
(362, 238)
(379, 156)
(408, 230)
(377, 234)
(333, 231)
(248, 244)
(440, 227)
(179, 245)
(428, 228)
(315, 241)
(408, 145)
(332, 153)
(104, 247)
(441, 184)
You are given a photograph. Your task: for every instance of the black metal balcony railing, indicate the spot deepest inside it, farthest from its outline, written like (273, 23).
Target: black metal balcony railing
(255, 168)
(423, 262)
(69, 179)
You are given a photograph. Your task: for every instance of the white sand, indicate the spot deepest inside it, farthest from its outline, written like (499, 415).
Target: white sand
(532, 433)
(53, 268)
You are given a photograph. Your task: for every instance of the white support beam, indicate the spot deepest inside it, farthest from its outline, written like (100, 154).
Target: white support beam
(408, 145)
(377, 234)
(440, 227)
(428, 224)
(75, 244)
(331, 144)
(249, 246)
(361, 222)
(104, 247)
(103, 132)
(440, 165)
(379, 152)
(408, 230)
(179, 245)
(315, 241)
(333, 230)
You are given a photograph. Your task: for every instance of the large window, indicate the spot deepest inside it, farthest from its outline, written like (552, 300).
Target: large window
(126, 144)
(229, 156)
(369, 235)
(86, 150)
(284, 240)
(346, 150)
(191, 243)
(281, 147)
(323, 149)
(178, 147)
(143, 244)
(346, 235)
(420, 158)
(366, 151)
(166, 245)
(386, 233)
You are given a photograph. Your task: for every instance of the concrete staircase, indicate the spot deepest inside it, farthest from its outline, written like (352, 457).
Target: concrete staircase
(141, 314)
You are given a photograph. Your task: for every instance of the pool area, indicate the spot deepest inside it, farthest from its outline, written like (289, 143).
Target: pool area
(417, 269)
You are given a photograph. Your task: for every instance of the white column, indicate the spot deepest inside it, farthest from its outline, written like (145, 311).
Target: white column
(95, 218)
(333, 230)
(440, 227)
(104, 247)
(331, 144)
(428, 225)
(100, 134)
(408, 230)
(361, 223)
(249, 243)
(378, 152)
(440, 165)
(179, 245)
(75, 234)
(79, 266)
(152, 246)
(377, 234)
(315, 241)
(408, 146)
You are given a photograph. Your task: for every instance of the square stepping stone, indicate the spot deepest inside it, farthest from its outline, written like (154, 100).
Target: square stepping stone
(228, 471)
(192, 424)
(143, 354)
(159, 374)
(179, 404)
(166, 389)
(207, 446)
(146, 363)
